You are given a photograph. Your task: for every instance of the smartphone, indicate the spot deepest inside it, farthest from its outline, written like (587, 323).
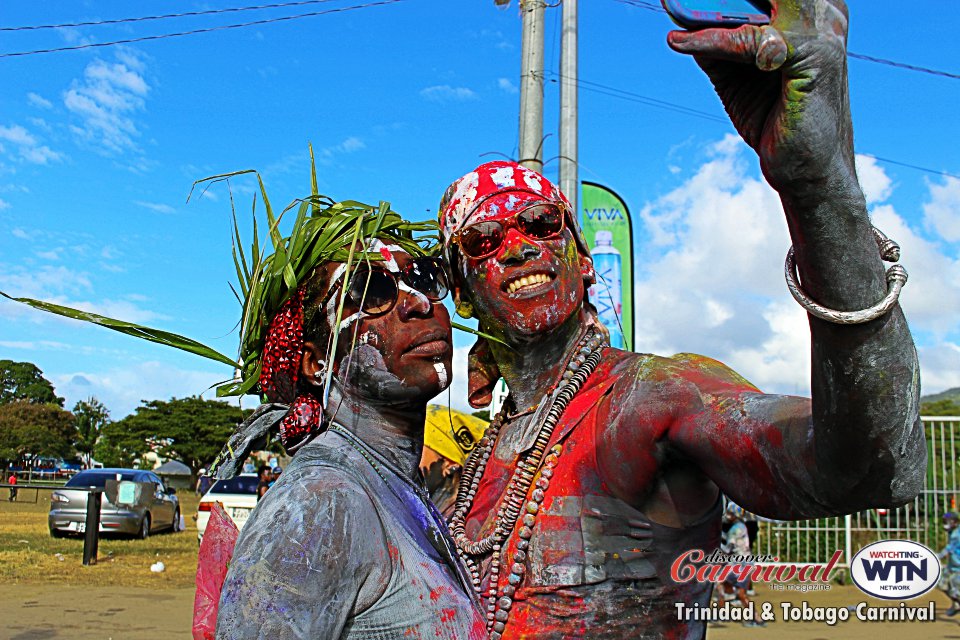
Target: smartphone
(701, 14)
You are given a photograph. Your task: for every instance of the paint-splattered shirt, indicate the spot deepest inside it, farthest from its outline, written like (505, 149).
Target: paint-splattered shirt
(339, 548)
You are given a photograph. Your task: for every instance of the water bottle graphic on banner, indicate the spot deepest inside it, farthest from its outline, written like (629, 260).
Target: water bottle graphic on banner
(605, 294)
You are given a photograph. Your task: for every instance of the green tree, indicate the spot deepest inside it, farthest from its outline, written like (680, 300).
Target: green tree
(25, 381)
(90, 415)
(37, 429)
(192, 430)
(944, 407)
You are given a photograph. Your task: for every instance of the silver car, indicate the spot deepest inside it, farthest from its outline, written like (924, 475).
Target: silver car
(158, 511)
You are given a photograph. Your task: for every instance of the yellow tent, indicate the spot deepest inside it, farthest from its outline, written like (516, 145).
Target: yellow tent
(451, 433)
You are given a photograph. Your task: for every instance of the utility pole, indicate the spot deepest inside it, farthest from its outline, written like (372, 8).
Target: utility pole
(569, 176)
(531, 85)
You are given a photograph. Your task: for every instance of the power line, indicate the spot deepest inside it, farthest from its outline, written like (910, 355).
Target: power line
(614, 92)
(911, 166)
(196, 31)
(630, 96)
(651, 6)
(902, 65)
(189, 14)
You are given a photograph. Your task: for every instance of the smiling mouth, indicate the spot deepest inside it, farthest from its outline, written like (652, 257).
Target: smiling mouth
(528, 282)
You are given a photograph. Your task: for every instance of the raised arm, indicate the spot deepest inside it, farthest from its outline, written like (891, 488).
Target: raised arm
(785, 89)
(304, 563)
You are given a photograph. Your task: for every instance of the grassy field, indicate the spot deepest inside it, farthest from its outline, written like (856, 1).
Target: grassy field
(28, 555)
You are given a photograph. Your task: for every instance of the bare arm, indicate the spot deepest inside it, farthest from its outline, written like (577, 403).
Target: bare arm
(312, 555)
(766, 451)
(863, 444)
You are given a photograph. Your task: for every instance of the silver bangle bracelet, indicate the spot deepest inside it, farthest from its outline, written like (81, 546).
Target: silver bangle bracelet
(896, 278)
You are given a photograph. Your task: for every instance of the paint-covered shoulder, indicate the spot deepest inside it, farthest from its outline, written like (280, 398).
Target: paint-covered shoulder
(664, 385)
(709, 375)
(319, 497)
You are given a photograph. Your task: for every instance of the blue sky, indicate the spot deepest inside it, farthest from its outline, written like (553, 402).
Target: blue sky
(99, 147)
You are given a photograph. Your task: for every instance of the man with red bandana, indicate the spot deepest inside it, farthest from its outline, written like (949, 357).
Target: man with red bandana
(604, 466)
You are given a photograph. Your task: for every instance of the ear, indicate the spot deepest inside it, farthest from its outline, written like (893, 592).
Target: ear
(586, 269)
(313, 364)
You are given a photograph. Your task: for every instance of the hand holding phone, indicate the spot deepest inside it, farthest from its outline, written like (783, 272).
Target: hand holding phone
(704, 14)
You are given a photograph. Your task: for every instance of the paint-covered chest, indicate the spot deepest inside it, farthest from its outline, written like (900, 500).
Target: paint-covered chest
(583, 534)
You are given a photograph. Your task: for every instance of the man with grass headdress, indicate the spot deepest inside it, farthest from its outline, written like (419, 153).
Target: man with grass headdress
(347, 543)
(345, 337)
(605, 467)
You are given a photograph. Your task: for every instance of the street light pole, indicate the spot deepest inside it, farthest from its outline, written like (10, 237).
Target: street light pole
(569, 176)
(531, 85)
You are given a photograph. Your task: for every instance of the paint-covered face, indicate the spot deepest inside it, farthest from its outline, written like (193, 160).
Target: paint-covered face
(527, 286)
(403, 354)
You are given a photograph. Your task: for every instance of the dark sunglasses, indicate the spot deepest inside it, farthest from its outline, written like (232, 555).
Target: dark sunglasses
(540, 221)
(375, 290)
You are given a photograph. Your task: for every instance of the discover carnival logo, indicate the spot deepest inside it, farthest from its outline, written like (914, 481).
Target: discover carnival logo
(895, 569)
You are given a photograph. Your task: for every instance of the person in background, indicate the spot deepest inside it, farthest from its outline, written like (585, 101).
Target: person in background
(275, 474)
(449, 436)
(266, 479)
(950, 559)
(736, 542)
(204, 482)
(13, 490)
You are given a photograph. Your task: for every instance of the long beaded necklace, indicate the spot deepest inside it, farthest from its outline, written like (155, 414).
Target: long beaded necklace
(500, 601)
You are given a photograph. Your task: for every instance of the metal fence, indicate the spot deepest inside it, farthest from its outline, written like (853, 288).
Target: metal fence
(812, 541)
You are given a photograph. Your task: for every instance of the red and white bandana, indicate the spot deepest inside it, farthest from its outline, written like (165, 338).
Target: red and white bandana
(495, 188)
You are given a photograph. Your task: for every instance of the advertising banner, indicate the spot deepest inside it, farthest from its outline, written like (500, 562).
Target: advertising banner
(606, 226)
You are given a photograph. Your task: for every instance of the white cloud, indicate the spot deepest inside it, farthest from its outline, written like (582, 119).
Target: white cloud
(28, 146)
(51, 254)
(156, 207)
(17, 135)
(506, 85)
(939, 367)
(874, 181)
(942, 213)
(105, 101)
(352, 144)
(931, 298)
(5, 205)
(122, 389)
(39, 101)
(446, 93)
(710, 275)
(41, 282)
(326, 155)
(63, 286)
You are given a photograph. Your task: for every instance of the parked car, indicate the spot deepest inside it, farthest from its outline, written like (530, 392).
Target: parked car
(237, 496)
(68, 506)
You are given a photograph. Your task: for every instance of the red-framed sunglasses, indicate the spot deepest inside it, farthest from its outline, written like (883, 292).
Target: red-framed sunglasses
(540, 221)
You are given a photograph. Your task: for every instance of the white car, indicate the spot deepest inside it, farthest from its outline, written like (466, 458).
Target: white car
(238, 496)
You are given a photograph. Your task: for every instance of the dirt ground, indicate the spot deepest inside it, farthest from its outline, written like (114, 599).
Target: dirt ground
(45, 597)
(41, 612)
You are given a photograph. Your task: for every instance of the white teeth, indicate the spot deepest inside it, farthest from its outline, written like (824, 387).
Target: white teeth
(527, 281)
